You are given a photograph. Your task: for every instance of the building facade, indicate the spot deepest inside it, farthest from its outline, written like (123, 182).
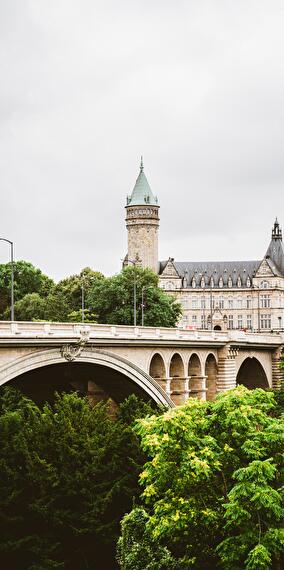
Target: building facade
(216, 295)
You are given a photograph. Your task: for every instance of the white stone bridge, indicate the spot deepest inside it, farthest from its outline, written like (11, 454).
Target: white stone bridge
(166, 365)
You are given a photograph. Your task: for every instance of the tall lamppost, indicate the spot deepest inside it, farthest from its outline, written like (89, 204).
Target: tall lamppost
(83, 302)
(12, 275)
(134, 287)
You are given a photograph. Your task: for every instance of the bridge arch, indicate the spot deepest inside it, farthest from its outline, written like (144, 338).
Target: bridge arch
(194, 365)
(211, 371)
(51, 357)
(252, 374)
(157, 368)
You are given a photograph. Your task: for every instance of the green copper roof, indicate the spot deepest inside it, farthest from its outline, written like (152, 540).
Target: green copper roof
(142, 193)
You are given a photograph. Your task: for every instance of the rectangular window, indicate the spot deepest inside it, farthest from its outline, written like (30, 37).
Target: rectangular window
(248, 302)
(230, 304)
(194, 320)
(221, 303)
(231, 322)
(203, 322)
(265, 321)
(194, 303)
(240, 303)
(264, 301)
(184, 302)
(203, 304)
(240, 321)
(249, 322)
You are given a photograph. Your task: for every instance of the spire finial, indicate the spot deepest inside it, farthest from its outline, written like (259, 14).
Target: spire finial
(276, 231)
(141, 164)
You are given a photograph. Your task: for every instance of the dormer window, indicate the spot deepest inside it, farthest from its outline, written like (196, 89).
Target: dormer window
(221, 282)
(202, 282)
(239, 282)
(248, 282)
(211, 282)
(193, 283)
(264, 285)
(230, 282)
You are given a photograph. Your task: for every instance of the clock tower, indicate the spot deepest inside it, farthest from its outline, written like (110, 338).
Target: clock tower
(142, 223)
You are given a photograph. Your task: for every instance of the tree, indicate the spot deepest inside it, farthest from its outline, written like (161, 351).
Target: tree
(30, 307)
(27, 279)
(68, 475)
(65, 301)
(213, 488)
(112, 299)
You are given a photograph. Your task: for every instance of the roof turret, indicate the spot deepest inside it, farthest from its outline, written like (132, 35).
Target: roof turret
(275, 251)
(142, 193)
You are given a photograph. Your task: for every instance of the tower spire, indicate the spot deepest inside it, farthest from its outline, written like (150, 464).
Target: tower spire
(141, 164)
(276, 231)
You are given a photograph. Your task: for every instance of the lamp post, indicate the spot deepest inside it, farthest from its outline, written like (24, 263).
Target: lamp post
(83, 302)
(12, 275)
(134, 290)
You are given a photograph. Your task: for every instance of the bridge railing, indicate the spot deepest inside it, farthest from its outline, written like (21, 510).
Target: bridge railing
(35, 330)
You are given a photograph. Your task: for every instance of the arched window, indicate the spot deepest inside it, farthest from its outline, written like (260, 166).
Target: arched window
(169, 286)
(230, 282)
(239, 282)
(248, 282)
(264, 284)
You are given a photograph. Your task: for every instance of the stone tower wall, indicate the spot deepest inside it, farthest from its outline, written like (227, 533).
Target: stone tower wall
(142, 226)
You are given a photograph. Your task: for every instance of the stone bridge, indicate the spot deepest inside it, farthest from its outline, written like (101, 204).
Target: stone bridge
(166, 365)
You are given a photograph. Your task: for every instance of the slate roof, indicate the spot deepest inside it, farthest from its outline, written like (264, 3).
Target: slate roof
(142, 193)
(275, 255)
(235, 270)
(214, 269)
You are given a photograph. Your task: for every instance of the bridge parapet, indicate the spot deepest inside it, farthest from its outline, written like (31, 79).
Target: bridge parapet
(36, 330)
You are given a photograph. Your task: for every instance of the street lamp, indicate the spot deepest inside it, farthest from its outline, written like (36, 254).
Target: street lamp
(134, 286)
(83, 302)
(12, 275)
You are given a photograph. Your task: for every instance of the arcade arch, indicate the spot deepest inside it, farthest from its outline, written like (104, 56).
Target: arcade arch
(211, 371)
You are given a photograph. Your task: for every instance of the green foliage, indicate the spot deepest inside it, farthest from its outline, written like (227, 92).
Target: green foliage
(30, 308)
(112, 299)
(137, 550)
(213, 488)
(27, 279)
(68, 475)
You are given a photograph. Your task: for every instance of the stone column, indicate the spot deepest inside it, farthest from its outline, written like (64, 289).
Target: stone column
(165, 384)
(179, 389)
(197, 387)
(277, 372)
(226, 377)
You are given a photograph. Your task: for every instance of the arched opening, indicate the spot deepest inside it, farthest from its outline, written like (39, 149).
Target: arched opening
(196, 381)
(194, 366)
(252, 375)
(157, 367)
(158, 370)
(217, 328)
(100, 375)
(178, 379)
(211, 373)
(176, 366)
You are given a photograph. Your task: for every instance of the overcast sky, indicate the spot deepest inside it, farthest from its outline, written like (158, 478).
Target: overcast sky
(87, 86)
